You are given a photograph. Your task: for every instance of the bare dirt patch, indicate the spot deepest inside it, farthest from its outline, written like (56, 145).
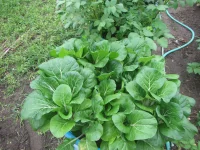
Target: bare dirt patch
(17, 135)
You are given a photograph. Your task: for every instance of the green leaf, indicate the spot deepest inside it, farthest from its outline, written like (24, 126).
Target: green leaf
(86, 144)
(41, 123)
(105, 76)
(111, 110)
(145, 145)
(104, 145)
(83, 116)
(59, 66)
(107, 87)
(163, 42)
(47, 85)
(59, 126)
(89, 78)
(145, 60)
(112, 97)
(162, 7)
(67, 144)
(135, 41)
(172, 76)
(87, 103)
(171, 113)
(126, 104)
(62, 95)
(63, 52)
(157, 141)
(135, 90)
(157, 63)
(121, 144)
(151, 43)
(36, 105)
(142, 125)
(110, 132)
(65, 113)
(101, 53)
(147, 32)
(97, 103)
(131, 68)
(185, 102)
(86, 64)
(145, 108)
(190, 2)
(151, 6)
(114, 66)
(94, 131)
(79, 97)
(150, 79)
(190, 129)
(113, 30)
(169, 36)
(119, 120)
(53, 53)
(158, 23)
(167, 91)
(101, 117)
(170, 132)
(74, 80)
(119, 48)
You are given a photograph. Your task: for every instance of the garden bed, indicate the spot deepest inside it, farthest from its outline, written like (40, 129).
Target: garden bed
(15, 136)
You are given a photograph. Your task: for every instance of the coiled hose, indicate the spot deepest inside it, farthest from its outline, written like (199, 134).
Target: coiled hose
(191, 40)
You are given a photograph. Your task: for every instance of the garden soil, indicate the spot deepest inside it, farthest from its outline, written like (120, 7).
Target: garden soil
(177, 62)
(17, 135)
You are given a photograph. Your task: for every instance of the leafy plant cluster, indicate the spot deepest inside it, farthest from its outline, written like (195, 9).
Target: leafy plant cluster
(194, 67)
(115, 93)
(176, 3)
(114, 19)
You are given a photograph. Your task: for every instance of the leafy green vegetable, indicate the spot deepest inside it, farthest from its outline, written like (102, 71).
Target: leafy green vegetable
(115, 93)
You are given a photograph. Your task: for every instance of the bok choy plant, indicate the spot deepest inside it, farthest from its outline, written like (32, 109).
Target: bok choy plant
(112, 95)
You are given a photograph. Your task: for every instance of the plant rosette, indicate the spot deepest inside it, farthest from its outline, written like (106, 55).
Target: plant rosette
(112, 95)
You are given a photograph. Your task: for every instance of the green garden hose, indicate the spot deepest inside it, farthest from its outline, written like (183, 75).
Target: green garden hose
(178, 48)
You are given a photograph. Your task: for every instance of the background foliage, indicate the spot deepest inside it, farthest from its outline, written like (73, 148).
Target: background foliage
(194, 67)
